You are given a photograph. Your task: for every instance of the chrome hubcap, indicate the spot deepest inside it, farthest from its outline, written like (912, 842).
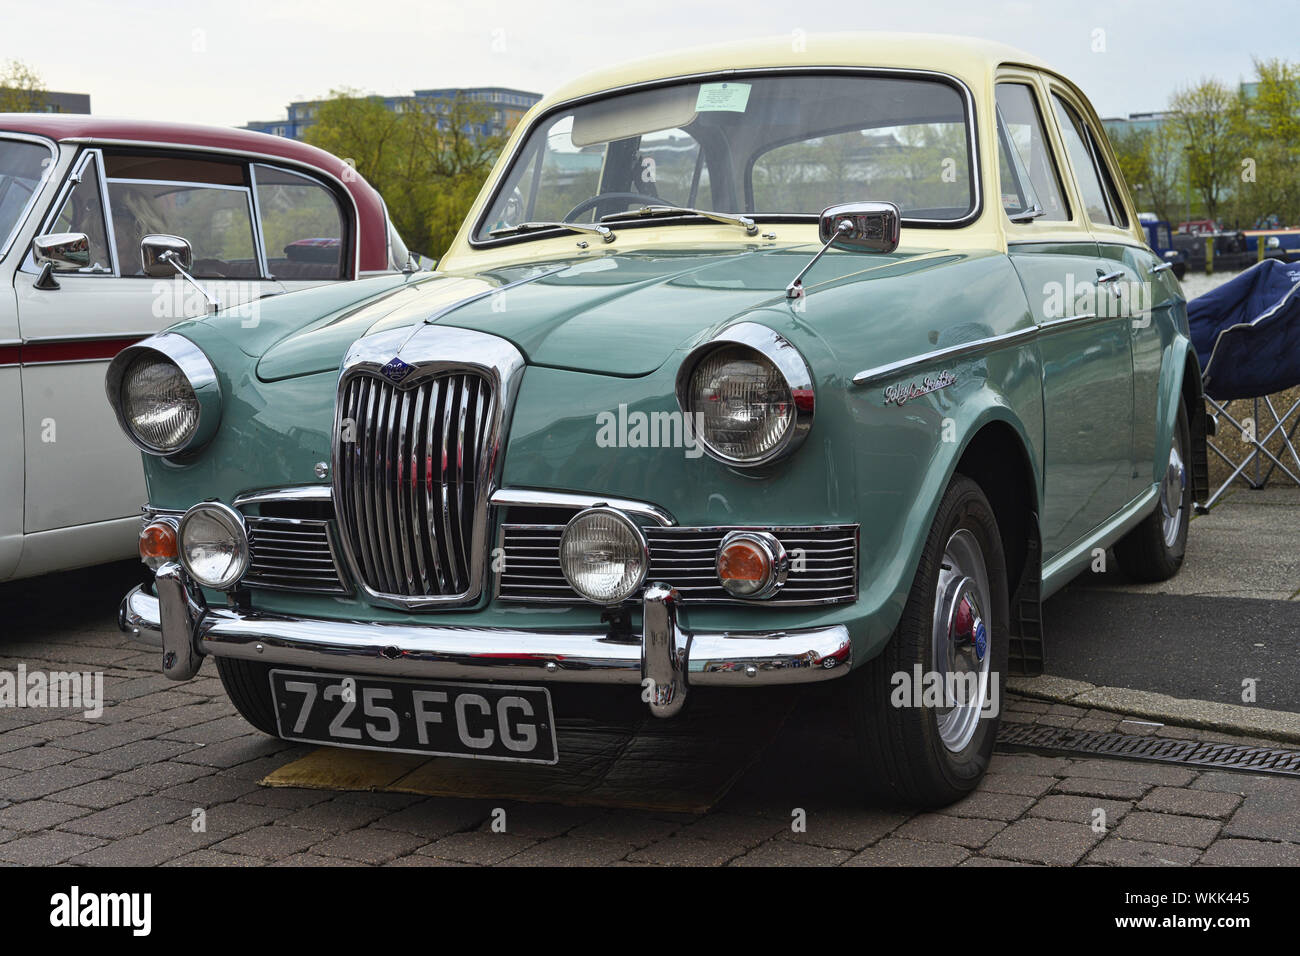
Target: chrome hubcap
(1172, 491)
(962, 633)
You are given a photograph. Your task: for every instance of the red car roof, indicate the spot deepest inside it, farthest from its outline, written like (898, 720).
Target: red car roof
(371, 217)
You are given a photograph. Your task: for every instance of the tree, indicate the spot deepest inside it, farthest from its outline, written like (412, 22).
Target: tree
(427, 158)
(1273, 134)
(21, 89)
(1211, 118)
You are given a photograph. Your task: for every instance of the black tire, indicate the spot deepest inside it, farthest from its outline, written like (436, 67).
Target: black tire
(248, 685)
(1146, 553)
(905, 759)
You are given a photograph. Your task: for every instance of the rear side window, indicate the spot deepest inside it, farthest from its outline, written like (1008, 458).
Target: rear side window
(1024, 151)
(205, 202)
(302, 225)
(1083, 161)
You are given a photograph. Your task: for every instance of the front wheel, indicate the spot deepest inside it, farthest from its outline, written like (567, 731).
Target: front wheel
(925, 710)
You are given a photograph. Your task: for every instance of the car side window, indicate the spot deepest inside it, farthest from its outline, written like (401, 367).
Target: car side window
(1117, 214)
(206, 202)
(1082, 161)
(83, 211)
(1023, 147)
(302, 225)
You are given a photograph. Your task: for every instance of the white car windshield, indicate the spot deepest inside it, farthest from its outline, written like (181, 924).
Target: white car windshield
(769, 146)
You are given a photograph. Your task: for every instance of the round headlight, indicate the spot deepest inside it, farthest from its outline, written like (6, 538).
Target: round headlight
(165, 394)
(158, 403)
(604, 556)
(213, 545)
(747, 395)
(743, 402)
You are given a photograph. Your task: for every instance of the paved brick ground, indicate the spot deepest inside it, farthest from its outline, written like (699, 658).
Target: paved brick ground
(123, 789)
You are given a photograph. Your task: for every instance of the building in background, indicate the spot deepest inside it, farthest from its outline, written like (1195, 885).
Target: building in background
(52, 101)
(507, 107)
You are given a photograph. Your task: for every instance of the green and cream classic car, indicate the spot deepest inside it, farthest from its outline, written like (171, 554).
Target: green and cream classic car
(774, 363)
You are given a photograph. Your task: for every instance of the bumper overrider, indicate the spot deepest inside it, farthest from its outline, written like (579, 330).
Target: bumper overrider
(665, 659)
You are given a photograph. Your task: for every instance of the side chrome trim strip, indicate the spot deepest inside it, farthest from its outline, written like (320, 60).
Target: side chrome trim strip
(528, 498)
(963, 350)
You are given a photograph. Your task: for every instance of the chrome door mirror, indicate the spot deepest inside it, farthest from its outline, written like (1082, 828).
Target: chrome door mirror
(861, 226)
(853, 227)
(165, 256)
(62, 250)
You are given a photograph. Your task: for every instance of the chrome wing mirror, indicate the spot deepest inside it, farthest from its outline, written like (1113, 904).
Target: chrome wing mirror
(59, 251)
(164, 256)
(853, 227)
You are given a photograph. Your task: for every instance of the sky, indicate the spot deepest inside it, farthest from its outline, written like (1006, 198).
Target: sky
(244, 60)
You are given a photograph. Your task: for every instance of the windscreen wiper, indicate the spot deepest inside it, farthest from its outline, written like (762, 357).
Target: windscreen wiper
(724, 217)
(596, 230)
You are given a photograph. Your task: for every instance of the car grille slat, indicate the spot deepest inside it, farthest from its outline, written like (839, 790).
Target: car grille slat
(408, 488)
(291, 554)
(827, 571)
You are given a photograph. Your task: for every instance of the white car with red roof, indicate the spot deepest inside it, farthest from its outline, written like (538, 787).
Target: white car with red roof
(98, 219)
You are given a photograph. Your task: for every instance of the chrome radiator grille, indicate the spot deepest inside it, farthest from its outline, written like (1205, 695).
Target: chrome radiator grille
(290, 554)
(824, 564)
(407, 481)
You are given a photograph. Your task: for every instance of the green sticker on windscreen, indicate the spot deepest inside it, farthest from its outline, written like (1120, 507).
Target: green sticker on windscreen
(722, 97)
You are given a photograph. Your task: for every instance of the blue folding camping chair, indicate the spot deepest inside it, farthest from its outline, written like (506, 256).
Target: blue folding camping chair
(1247, 336)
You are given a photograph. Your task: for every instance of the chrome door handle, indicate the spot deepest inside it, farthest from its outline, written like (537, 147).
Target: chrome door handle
(1164, 266)
(1109, 276)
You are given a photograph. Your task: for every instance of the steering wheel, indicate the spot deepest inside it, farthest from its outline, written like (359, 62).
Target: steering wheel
(599, 198)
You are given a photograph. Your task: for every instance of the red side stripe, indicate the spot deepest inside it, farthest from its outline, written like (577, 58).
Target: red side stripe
(82, 350)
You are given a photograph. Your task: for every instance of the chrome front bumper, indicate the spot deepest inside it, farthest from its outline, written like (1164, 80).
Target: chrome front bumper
(665, 660)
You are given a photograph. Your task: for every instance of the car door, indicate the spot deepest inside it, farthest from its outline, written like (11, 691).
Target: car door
(25, 162)
(1087, 396)
(79, 468)
(1145, 291)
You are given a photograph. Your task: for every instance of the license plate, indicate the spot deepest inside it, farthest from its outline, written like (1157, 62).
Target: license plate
(480, 721)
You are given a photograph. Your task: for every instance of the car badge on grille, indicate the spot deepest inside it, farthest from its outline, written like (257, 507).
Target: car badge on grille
(396, 370)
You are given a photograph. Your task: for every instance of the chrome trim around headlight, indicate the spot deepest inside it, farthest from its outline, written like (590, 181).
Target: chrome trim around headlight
(236, 520)
(638, 538)
(196, 368)
(778, 350)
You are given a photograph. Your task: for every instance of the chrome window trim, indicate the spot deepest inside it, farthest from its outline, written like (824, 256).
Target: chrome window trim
(788, 360)
(35, 197)
(528, 498)
(972, 140)
(435, 350)
(196, 368)
(964, 350)
(70, 182)
(249, 156)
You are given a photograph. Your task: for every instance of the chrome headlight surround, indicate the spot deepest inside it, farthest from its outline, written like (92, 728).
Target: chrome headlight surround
(233, 523)
(635, 542)
(778, 351)
(196, 369)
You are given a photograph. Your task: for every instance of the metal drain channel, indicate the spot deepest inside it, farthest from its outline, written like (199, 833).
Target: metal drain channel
(1159, 749)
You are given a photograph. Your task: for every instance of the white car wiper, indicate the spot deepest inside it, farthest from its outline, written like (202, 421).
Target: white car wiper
(596, 230)
(724, 217)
